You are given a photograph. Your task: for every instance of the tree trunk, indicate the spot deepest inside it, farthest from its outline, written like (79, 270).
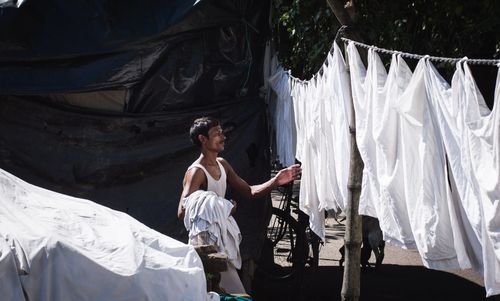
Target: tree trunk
(345, 16)
(352, 278)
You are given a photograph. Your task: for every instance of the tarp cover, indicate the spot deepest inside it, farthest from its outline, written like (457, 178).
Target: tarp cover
(57, 248)
(176, 60)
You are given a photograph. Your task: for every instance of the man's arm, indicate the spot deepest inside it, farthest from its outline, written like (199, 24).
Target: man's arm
(193, 180)
(283, 177)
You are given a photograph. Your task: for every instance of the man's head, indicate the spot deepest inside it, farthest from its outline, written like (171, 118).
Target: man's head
(207, 132)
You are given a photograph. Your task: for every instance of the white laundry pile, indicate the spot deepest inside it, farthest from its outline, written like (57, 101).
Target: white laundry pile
(58, 248)
(206, 212)
(321, 110)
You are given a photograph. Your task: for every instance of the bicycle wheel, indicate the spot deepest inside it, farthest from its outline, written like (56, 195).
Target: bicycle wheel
(285, 249)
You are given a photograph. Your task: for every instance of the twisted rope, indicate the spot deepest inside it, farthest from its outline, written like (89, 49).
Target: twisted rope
(449, 60)
(432, 58)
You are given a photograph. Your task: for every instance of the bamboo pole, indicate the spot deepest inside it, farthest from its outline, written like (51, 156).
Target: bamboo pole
(352, 239)
(351, 282)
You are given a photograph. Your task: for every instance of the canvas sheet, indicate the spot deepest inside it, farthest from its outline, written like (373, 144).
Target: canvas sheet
(58, 248)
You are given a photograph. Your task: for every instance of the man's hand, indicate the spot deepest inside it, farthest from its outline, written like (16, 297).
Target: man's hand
(234, 207)
(288, 174)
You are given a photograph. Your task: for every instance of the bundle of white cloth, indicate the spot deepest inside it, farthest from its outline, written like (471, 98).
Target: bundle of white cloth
(58, 248)
(207, 213)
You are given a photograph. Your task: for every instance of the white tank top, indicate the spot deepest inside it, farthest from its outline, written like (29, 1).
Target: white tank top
(217, 186)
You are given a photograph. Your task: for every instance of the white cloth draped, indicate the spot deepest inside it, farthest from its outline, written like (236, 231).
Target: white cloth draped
(321, 108)
(404, 177)
(378, 135)
(207, 212)
(471, 134)
(284, 123)
(431, 156)
(58, 248)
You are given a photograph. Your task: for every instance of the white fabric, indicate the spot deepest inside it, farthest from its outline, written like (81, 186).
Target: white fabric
(207, 212)
(408, 126)
(471, 134)
(283, 118)
(321, 108)
(10, 283)
(66, 248)
(218, 186)
(378, 121)
(337, 104)
(405, 177)
(309, 201)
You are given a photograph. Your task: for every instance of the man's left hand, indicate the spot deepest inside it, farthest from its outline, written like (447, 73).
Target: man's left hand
(288, 174)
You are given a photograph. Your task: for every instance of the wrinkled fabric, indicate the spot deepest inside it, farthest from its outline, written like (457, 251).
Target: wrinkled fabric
(378, 132)
(431, 157)
(337, 103)
(471, 134)
(308, 197)
(10, 282)
(283, 118)
(207, 212)
(65, 248)
(405, 181)
(321, 107)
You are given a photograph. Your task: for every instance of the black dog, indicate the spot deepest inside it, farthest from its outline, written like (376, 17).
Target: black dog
(372, 241)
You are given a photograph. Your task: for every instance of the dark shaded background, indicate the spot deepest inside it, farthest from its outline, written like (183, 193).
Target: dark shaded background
(174, 60)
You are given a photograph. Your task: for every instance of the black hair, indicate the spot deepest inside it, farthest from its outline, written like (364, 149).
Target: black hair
(201, 126)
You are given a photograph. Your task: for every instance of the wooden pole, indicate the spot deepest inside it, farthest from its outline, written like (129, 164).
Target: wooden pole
(352, 279)
(352, 239)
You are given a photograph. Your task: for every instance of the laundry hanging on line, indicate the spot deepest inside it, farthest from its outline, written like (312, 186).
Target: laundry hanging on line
(404, 176)
(404, 141)
(321, 112)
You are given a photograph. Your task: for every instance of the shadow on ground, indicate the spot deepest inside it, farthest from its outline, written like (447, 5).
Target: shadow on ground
(389, 283)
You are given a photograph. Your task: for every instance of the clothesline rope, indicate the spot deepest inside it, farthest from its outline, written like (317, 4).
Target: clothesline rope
(491, 62)
(419, 56)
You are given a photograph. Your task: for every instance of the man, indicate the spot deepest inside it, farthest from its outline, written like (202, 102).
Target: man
(211, 173)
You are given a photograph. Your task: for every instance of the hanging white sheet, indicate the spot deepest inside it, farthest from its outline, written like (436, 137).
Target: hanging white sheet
(284, 121)
(378, 132)
(321, 108)
(58, 248)
(471, 134)
(337, 112)
(404, 178)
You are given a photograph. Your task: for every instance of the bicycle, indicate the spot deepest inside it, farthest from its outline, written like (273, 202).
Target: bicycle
(293, 245)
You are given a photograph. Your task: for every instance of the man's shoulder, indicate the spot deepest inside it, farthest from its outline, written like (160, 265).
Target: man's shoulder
(195, 170)
(223, 162)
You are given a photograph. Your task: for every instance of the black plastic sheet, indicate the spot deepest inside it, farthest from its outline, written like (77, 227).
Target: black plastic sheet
(170, 54)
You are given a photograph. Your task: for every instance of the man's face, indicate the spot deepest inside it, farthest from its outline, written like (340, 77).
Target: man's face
(215, 141)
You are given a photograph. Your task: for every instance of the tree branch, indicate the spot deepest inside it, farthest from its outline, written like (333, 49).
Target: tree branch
(346, 14)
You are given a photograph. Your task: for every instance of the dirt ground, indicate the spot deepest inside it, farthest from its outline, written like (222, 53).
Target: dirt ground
(401, 277)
